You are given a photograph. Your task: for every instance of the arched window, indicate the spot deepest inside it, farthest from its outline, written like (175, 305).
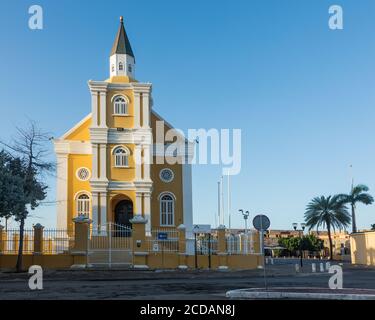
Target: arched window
(120, 66)
(83, 204)
(113, 68)
(121, 157)
(130, 68)
(166, 210)
(120, 106)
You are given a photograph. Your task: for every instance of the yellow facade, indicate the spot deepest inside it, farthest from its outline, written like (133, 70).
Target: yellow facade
(103, 170)
(363, 248)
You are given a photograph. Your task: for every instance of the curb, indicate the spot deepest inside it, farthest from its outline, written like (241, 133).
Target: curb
(277, 293)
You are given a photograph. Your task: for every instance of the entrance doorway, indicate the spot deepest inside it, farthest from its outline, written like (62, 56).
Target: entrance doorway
(123, 215)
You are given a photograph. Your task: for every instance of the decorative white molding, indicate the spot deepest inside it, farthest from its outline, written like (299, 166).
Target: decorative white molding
(138, 203)
(187, 201)
(138, 219)
(83, 168)
(121, 185)
(168, 193)
(147, 212)
(103, 161)
(103, 109)
(72, 147)
(146, 109)
(103, 212)
(137, 110)
(95, 211)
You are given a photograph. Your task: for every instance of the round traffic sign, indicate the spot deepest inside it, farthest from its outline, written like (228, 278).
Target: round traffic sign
(261, 222)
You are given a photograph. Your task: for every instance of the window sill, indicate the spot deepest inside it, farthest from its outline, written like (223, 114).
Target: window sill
(121, 167)
(121, 115)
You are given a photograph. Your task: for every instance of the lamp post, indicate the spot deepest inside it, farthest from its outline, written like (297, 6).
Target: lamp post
(300, 231)
(245, 217)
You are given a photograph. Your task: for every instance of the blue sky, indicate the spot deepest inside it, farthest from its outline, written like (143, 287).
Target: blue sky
(302, 94)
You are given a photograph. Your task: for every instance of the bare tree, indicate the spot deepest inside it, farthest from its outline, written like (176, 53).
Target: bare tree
(30, 146)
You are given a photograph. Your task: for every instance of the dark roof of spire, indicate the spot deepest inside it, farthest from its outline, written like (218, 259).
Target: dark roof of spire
(122, 43)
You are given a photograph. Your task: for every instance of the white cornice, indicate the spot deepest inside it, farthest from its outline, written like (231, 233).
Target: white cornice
(97, 85)
(72, 147)
(104, 85)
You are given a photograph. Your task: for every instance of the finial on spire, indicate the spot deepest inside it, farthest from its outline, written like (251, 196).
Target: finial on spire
(121, 19)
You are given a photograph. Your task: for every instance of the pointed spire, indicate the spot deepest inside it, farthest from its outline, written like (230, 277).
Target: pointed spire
(122, 43)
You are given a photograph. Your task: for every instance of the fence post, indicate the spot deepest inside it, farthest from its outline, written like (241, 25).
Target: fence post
(38, 239)
(139, 242)
(222, 248)
(182, 247)
(2, 239)
(81, 241)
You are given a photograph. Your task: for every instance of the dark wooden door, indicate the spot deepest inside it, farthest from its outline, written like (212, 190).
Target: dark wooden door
(123, 214)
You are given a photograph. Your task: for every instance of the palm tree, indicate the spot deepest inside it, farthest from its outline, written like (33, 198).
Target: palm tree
(357, 194)
(328, 212)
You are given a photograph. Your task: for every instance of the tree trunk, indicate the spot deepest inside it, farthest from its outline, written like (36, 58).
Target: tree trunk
(330, 242)
(354, 223)
(20, 247)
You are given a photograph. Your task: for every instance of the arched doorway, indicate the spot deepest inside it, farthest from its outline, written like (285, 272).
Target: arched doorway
(123, 215)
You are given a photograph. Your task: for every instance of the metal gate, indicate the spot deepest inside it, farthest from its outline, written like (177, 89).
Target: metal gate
(111, 247)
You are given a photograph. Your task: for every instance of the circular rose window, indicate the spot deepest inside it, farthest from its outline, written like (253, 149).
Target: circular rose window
(83, 174)
(166, 175)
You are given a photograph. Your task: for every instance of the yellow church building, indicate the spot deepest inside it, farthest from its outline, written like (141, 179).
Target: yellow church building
(103, 163)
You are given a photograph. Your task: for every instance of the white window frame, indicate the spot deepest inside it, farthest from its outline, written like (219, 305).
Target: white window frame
(120, 106)
(83, 206)
(167, 210)
(120, 157)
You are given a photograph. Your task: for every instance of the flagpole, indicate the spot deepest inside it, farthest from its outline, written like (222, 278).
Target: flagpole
(229, 203)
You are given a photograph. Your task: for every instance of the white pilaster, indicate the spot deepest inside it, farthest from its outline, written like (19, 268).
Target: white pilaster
(94, 174)
(95, 212)
(62, 191)
(187, 199)
(138, 203)
(103, 161)
(137, 110)
(138, 162)
(103, 213)
(147, 212)
(103, 109)
(94, 108)
(146, 109)
(146, 162)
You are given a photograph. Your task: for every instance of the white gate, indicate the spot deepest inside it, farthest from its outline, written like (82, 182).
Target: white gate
(111, 247)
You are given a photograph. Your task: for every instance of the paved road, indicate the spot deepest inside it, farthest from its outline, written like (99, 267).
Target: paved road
(128, 284)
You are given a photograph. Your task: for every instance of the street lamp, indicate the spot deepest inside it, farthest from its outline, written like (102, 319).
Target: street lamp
(245, 217)
(300, 231)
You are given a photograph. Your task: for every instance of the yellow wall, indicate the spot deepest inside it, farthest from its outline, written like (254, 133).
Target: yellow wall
(174, 187)
(363, 248)
(82, 133)
(76, 161)
(120, 121)
(120, 174)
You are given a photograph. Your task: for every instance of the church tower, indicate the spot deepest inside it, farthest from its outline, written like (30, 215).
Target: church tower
(122, 60)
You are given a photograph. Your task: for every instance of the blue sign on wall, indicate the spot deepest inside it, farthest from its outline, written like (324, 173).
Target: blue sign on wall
(162, 235)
